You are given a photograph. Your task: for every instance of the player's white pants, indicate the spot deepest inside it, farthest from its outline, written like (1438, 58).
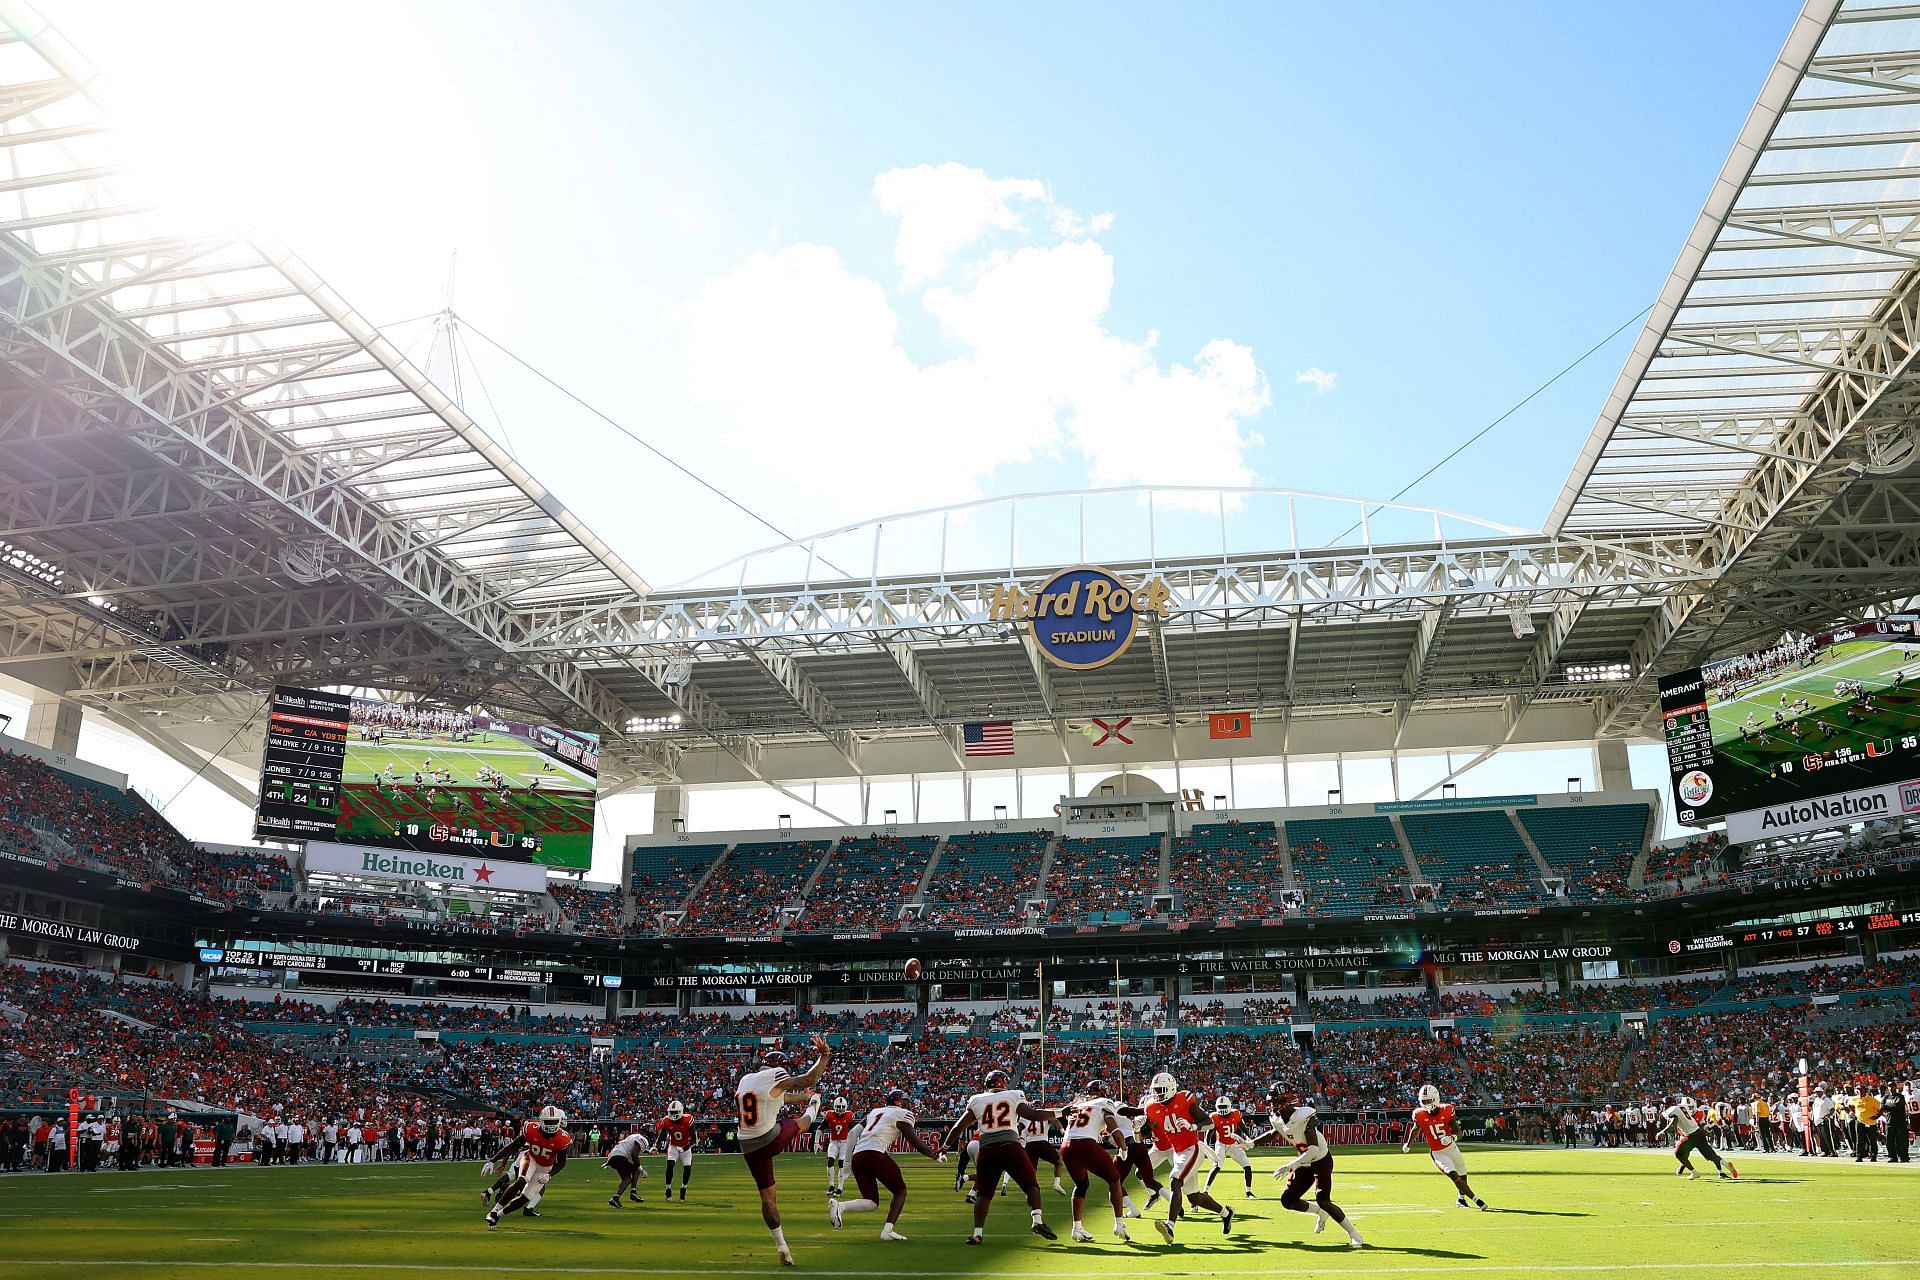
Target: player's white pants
(1185, 1163)
(1448, 1159)
(1161, 1155)
(841, 1151)
(535, 1175)
(681, 1156)
(1221, 1152)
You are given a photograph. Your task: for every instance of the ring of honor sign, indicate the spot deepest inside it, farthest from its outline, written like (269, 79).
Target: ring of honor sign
(1082, 618)
(1813, 716)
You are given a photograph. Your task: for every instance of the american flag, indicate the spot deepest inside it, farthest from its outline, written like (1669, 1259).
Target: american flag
(987, 738)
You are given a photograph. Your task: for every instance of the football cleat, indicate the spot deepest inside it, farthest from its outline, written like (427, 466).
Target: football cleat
(833, 1214)
(1462, 1202)
(1479, 1204)
(786, 1258)
(493, 1221)
(1166, 1229)
(972, 1197)
(975, 1240)
(1250, 1194)
(615, 1202)
(1319, 1219)
(888, 1233)
(529, 1213)
(1044, 1231)
(1081, 1235)
(1226, 1220)
(1732, 1173)
(1120, 1234)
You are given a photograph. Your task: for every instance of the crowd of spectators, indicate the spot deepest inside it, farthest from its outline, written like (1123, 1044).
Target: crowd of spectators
(598, 913)
(1103, 880)
(985, 878)
(864, 881)
(1543, 1067)
(1229, 871)
(1355, 1009)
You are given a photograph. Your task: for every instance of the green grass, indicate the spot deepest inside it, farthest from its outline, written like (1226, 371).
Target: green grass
(520, 761)
(1584, 1213)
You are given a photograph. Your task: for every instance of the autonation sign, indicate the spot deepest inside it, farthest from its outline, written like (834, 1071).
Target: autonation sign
(1082, 618)
(1870, 804)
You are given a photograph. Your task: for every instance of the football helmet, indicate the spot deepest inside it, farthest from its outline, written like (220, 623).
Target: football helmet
(897, 1098)
(840, 1104)
(1281, 1097)
(1095, 1089)
(551, 1118)
(675, 1110)
(1222, 1105)
(774, 1058)
(1164, 1086)
(997, 1080)
(1429, 1096)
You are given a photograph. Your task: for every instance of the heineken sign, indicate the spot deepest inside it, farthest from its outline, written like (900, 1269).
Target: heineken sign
(437, 868)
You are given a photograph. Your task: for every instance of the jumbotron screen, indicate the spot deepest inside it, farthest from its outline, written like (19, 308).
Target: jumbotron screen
(401, 776)
(1810, 717)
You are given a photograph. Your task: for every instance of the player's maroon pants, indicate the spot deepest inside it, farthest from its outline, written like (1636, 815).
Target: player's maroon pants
(1008, 1158)
(1086, 1159)
(760, 1159)
(874, 1169)
(1140, 1160)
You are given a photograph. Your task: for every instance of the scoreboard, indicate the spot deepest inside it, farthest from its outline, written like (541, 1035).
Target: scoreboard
(300, 771)
(1840, 926)
(381, 967)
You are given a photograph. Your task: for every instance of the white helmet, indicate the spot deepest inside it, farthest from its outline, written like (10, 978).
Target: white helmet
(839, 1104)
(1164, 1086)
(675, 1110)
(551, 1118)
(1222, 1104)
(1429, 1096)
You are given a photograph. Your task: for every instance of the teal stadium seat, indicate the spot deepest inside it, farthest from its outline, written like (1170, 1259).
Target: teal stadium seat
(1229, 871)
(1091, 877)
(1348, 866)
(756, 880)
(1476, 857)
(865, 881)
(985, 878)
(1593, 846)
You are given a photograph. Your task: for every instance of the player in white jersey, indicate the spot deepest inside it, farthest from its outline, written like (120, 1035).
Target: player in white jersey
(624, 1160)
(1089, 1118)
(1312, 1167)
(1036, 1137)
(874, 1166)
(1682, 1118)
(995, 1111)
(763, 1134)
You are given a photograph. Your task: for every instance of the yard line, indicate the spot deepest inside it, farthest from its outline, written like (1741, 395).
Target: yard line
(1452, 1268)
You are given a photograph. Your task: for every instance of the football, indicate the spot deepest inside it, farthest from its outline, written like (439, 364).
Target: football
(912, 970)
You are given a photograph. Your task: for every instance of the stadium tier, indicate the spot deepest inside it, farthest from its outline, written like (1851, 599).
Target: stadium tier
(1594, 847)
(985, 878)
(1110, 880)
(1348, 866)
(1229, 870)
(754, 889)
(664, 876)
(1475, 859)
(865, 882)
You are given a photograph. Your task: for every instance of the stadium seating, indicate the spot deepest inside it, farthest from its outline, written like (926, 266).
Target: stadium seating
(598, 912)
(1476, 859)
(751, 887)
(1593, 846)
(1228, 870)
(985, 878)
(865, 880)
(1544, 1066)
(1673, 864)
(1348, 866)
(1383, 1067)
(1113, 879)
(663, 876)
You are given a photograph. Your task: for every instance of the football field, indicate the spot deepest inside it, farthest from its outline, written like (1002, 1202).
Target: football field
(1873, 663)
(1585, 1213)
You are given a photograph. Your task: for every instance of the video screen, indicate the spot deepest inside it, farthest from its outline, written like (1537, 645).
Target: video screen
(402, 776)
(1812, 716)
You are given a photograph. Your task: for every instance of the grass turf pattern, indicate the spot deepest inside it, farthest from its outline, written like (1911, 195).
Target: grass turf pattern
(1583, 1213)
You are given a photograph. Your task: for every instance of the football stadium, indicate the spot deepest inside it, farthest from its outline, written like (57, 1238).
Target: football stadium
(940, 768)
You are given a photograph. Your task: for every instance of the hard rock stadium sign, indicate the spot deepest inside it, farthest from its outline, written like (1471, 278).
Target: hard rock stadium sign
(1081, 618)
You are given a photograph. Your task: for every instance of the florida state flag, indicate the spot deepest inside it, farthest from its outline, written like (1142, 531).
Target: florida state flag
(1229, 724)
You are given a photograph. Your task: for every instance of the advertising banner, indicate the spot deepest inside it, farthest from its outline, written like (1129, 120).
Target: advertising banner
(1796, 817)
(400, 864)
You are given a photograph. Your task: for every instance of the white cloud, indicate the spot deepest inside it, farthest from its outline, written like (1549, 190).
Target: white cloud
(1321, 380)
(801, 358)
(944, 209)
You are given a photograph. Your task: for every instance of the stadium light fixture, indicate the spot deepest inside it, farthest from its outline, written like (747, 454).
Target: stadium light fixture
(1598, 672)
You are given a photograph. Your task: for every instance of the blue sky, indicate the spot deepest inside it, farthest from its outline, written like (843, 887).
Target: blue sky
(1113, 239)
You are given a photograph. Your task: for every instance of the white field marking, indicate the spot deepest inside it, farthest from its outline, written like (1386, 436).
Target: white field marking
(1454, 1268)
(153, 1186)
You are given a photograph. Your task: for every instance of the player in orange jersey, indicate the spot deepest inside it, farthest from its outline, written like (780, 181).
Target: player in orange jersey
(1434, 1121)
(542, 1149)
(1176, 1117)
(675, 1130)
(1228, 1144)
(838, 1121)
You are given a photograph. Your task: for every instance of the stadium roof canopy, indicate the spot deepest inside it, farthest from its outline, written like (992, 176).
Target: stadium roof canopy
(214, 475)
